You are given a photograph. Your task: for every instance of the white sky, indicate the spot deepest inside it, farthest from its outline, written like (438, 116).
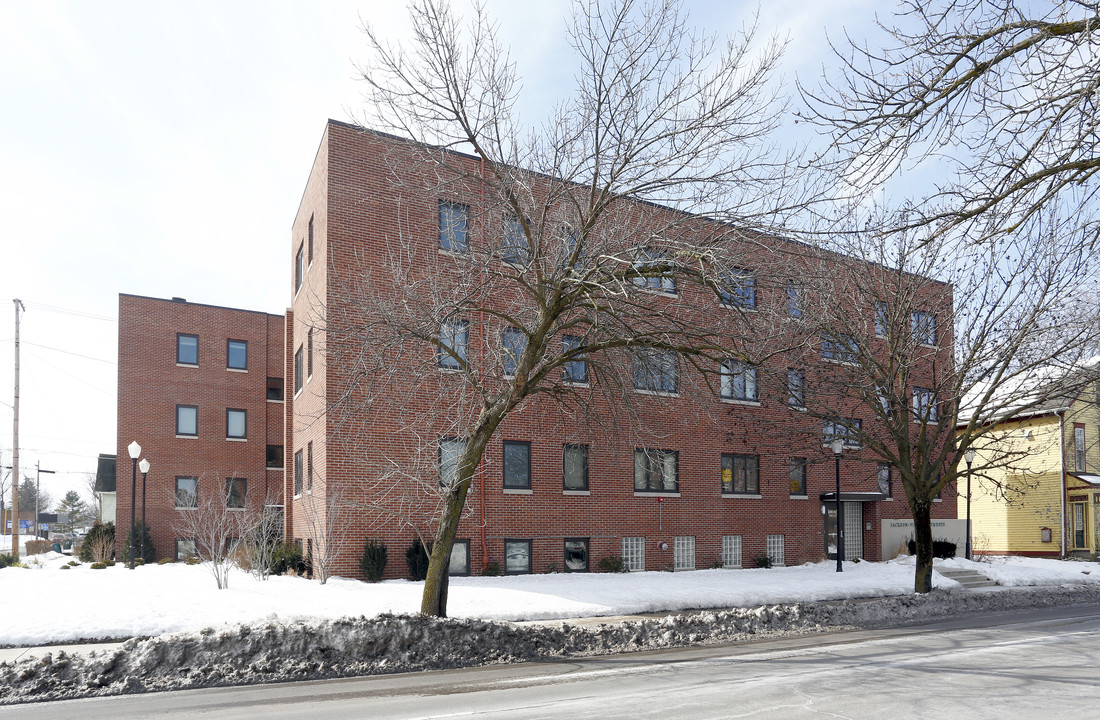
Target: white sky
(160, 148)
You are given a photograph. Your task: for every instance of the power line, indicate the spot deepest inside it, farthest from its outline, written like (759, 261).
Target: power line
(69, 352)
(67, 311)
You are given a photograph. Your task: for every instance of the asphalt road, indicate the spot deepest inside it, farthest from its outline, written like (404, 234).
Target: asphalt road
(1038, 663)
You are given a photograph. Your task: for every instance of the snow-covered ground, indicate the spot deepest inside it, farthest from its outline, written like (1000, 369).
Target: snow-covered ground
(294, 629)
(58, 606)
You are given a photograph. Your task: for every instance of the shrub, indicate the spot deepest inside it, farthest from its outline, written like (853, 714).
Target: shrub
(286, 558)
(99, 566)
(166, 561)
(492, 569)
(762, 561)
(65, 567)
(6, 560)
(192, 560)
(416, 557)
(942, 549)
(612, 564)
(135, 537)
(373, 562)
(99, 544)
(552, 568)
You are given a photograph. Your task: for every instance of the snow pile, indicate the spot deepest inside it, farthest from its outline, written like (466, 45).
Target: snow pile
(274, 651)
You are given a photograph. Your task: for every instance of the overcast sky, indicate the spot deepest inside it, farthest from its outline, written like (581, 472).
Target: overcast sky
(161, 149)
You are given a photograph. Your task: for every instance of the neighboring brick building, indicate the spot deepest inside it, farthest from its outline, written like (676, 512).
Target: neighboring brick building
(200, 389)
(728, 477)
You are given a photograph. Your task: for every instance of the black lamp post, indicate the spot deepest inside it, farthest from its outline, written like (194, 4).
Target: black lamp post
(969, 457)
(838, 447)
(135, 451)
(144, 465)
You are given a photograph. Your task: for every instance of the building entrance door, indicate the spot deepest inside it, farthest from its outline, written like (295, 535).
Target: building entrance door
(1079, 525)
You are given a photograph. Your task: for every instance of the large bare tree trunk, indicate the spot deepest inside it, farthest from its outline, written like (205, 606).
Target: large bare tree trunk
(922, 519)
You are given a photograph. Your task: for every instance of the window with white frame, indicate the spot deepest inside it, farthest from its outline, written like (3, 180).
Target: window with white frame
(513, 342)
(739, 288)
(634, 553)
(656, 471)
(515, 249)
(652, 268)
(847, 429)
(838, 347)
(683, 552)
(299, 268)
(731, 551)
(924, 327)
(656, 370)
(574, 370)
(187, 492)
(776, 550)
(796, 388)
(454, 344)
(454, 219)
(924, 405)
(794, 299)
(517, 465)
(740, 474)
(797, 475)
(1079, 448)
(738, 380)
(450, 452)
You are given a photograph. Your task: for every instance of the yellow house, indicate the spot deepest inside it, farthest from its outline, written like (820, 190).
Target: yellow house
(1036, 483)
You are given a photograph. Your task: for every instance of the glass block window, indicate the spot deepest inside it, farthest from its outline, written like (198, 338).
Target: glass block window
(683, 552)
(776, 549)
(634, 553)
(731, 551)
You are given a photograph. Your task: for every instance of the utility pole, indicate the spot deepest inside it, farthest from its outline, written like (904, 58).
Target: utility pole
(15, 442)
(38, 494)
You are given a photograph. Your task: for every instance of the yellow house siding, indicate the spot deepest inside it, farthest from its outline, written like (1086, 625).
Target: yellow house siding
(1087, 412)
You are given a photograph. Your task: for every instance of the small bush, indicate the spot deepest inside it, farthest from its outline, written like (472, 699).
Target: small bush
(416, 557)
(166, 561)
(492, 569)
(552, 568)
(134, 537)
(762, 561)
(65, 567)
(192, 560)
(942, 549)
(286, 558)
(99, 544)
(6, 560)
(612, 564)
(373, 562)
(110, 563)
(99, 566)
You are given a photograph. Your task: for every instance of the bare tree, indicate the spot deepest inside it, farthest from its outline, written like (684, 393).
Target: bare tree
(216, 522)
(262, 534)
(1000, 98)
(661, 114)
(936, 341)
(328, 522)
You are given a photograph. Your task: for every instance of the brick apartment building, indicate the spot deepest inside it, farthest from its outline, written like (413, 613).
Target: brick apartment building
(686, 478)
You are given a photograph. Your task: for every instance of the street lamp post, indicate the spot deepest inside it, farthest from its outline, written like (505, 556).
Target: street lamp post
(837, 447)
(144, 465)
(969, 457)
(135, 451)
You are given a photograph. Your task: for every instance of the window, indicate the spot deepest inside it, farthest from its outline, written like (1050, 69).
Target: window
(517, 465)
(236, 424)
(794, 299)
(683, 552)
(796, 388)
(187, 420)
(298, 472)
(884, 479)
(847, 429)
(187, 349)
(924, 327)
(187, 492)
(309, 466)
(275, 389)
(236, 355)
(738, 380)
(299, 374)
(1079, 447)
(656, 370)
(924, 406)
(649, 264)
(299, 268)
(513, 343)
(450, 452)
(517, 557)
(776, 549)
(515, 248)
(739, 288)
(634, 553)
(454, 342)
(574, 467)
(235, 489)
(186, 548)
(575, 370)
(883, 399)
(835, 346)
(460, 558)
(576, 555)
(656, 471)
(309, 354)
(740, 474)
(453, 222)
(274, 456)
(797, 474)
(309, 239)
(731, 551)
(880, 318)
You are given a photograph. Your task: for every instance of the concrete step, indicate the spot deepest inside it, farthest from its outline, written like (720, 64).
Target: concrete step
(969, 579)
